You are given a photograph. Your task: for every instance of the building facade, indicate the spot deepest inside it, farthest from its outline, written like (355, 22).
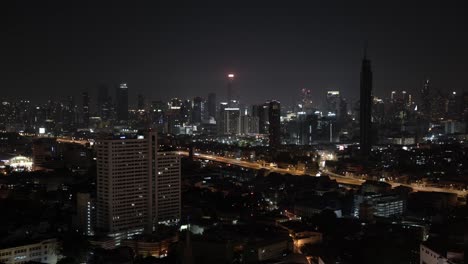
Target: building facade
(137, 186)
(44, 251)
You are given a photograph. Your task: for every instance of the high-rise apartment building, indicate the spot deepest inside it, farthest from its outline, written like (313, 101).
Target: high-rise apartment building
(137, 187)
(167, 193)
(85, 213)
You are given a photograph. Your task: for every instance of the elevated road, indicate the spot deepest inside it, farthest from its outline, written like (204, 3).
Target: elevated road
(339, 178)
(72, 141)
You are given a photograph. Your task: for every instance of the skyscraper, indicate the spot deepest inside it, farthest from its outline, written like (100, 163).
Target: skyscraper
(426, 100)
(137, 186)
(157, 113)
(174, 116)
(212, 105)
(333, 103)
(306, 101)
(464, 107)
(343, 111)
(85, 109)
(230, 92)
(365, 109)
(261, 112)
(104, 103)
(122, 102)
(186, 112)
(274, 129)
(229, 121)
(69, 114)
(197, 110)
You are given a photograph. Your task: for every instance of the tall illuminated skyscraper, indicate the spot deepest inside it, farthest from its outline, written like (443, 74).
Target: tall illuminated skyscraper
(365, 107)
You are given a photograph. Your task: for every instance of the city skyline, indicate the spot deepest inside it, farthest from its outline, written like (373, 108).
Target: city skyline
(221, 132)
(317, 52)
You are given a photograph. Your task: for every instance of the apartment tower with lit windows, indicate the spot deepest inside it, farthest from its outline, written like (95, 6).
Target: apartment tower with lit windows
(137, 186)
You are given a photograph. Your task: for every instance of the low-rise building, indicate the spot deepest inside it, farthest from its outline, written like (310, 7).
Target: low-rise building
(432, 253)
(44, 251)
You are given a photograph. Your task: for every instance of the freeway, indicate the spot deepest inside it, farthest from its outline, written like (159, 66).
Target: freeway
(339, 178)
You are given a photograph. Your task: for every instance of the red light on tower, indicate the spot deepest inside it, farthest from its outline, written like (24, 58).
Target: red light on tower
(231, 75)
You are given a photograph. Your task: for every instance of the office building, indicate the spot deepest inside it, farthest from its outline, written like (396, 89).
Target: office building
(137, 188)
(42, 251)
(378, 205)
(388, 206)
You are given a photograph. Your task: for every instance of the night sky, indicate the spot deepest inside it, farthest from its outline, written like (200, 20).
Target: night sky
(53, 49)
